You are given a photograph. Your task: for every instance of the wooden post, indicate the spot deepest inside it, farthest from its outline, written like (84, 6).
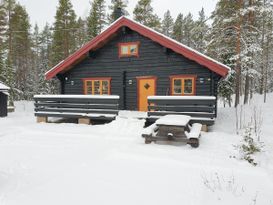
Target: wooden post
(84, 121)
(41, 119)
(205, 128)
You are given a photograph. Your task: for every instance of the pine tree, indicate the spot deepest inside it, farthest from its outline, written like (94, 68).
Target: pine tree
(20, 53)
(97, 18)
(263, 16)
(143, 13)
(35, 59)
(6, 69)
(2, 39)
(81, 34)
(167, 24)
(64, 35)
(178, 28)
(45, 86)
(115, 5)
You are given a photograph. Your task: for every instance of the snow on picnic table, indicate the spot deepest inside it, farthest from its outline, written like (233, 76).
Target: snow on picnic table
(110, 164)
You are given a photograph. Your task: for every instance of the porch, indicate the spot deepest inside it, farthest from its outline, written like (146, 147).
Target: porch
(89, 109)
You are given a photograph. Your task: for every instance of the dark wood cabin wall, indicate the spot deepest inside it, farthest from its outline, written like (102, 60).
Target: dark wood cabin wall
(153, 60)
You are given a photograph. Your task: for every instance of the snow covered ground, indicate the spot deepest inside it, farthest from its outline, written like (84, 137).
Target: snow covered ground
(42, 164)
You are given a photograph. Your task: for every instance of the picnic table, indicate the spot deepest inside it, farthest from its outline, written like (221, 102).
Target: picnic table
(173, 128)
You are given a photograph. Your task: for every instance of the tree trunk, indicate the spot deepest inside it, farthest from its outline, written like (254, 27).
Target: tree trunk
(247, 79)
(263, 53)
(247, 82)
(238, 62)
(266, 69)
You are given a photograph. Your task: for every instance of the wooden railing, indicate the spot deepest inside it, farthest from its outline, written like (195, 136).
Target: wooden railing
(77, 106)
(202, 109)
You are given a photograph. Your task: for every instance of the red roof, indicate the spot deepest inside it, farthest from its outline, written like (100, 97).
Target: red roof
(163, 40)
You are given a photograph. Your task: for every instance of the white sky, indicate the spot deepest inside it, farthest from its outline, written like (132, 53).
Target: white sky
(42, 11)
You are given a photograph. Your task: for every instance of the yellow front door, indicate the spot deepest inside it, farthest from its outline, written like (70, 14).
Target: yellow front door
(146, 87)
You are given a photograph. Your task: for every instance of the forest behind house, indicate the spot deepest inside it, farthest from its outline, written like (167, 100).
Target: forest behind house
(237, 33)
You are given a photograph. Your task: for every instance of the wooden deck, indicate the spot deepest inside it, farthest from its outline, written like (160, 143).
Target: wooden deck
(82, 107)
(202, 109)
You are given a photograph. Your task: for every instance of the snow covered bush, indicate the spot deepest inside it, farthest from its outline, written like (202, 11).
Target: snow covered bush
(250, 145)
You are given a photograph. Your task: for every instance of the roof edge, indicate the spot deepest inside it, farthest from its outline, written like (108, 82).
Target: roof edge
(192, 54)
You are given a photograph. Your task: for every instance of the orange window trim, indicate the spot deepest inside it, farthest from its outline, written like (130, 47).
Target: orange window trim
(128, 44)
(183, 78)
(85, 80)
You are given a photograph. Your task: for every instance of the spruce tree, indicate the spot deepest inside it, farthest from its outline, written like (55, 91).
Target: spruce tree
(167, 24)
(96, 19)
(200, 32)
(178, 28)
(64, 35)
(143, 13)
(188, 23)
(115, 5)
(223, 39)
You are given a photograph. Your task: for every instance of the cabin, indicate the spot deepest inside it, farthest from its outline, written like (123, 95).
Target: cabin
(134, 62)
(3, 100)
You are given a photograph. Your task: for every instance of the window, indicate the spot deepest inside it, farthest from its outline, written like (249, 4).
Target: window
(97, 86)
(128, 49)
(183, 85)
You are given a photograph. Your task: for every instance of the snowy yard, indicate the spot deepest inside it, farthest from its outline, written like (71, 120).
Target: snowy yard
(42, 164)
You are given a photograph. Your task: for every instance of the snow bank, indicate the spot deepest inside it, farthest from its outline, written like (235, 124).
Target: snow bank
(110, 164)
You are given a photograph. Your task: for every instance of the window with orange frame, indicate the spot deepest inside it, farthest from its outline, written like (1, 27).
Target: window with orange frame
(129, 49)
(97, 86)
(183, 84)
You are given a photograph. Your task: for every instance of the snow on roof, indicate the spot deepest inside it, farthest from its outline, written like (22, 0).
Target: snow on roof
(181, 44)
(54, 67)
(181, 97)
(3, 87)
(182, 49)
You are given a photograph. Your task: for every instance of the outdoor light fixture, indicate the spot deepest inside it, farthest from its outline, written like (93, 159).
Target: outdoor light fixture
(130, 82)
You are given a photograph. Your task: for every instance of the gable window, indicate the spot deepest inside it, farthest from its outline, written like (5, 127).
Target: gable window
(129, 49)
(183, 85)
(97, 86)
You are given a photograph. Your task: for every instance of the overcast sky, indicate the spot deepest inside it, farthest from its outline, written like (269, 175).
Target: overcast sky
(42, 11)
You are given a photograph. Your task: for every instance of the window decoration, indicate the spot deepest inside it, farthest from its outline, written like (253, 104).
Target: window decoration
(97, 86)
(129, 49)
(183, 85)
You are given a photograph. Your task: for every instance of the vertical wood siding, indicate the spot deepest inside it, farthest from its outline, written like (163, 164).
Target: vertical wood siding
(153, 60)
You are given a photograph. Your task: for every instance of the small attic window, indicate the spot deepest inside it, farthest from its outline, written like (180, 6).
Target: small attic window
(129, 49)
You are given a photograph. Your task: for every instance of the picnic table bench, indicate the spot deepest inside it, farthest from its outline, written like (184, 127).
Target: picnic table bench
(173, 128)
